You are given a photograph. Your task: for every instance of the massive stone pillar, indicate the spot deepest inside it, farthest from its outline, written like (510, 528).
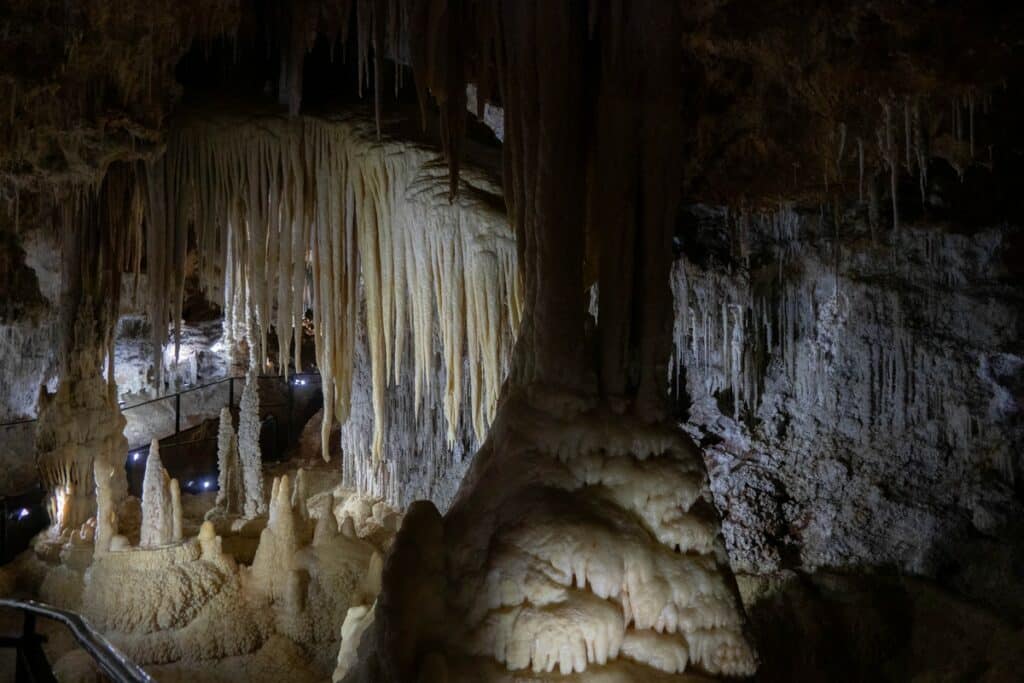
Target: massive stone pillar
(583, 541)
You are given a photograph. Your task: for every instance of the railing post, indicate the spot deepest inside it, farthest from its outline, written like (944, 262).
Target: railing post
(177, 413)
(231, 392)
(3, 530)
(32, 664)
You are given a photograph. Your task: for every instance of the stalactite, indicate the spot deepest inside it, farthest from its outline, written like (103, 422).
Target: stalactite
(887, 142)
(920, 152)
(249, 455)
(377, 221)
(860, 162)
(970, 110)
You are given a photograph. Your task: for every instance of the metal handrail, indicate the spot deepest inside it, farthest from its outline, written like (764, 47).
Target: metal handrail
(112, 661)
(165, 397)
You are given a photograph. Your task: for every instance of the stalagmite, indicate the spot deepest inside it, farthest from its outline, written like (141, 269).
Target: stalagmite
(230, 489)
(387, 250)
(161, 506)
(249, 455)
(357, 620)
(271, 568)
(81, 422)
(175, 492)
(106, 515)
(300, 494)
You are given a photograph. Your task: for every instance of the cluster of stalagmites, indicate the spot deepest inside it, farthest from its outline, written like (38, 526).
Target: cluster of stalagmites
(585, 543)
(164, 589)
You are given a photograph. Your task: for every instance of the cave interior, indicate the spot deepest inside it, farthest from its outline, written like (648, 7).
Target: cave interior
(439, 341)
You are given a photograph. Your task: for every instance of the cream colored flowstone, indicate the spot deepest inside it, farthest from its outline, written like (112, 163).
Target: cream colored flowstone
(582, 543)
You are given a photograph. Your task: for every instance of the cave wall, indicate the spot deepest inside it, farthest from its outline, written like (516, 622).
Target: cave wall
(858, 393)
(28, 354)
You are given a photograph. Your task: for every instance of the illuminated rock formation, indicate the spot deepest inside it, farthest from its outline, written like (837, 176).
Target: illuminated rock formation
(583, 539)
(517, 339)
(82, 423)
(230, 488)
(161, 503)
(249, 455)
(106, 515)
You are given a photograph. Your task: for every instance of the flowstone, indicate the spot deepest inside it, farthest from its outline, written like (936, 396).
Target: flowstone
(603, 560)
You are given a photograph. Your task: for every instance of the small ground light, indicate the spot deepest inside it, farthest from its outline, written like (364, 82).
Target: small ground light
(135, 456)
(23, 513)
(207, 484)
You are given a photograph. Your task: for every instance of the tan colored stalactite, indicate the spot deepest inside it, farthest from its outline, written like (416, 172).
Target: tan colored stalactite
(161, 229)
(370, 210)
(175, 492)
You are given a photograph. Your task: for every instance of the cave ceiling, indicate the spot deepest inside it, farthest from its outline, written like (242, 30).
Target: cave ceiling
(783, 99)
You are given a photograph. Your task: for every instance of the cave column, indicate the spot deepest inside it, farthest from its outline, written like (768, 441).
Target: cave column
(632, 200)
(81, 422)
(545, 158)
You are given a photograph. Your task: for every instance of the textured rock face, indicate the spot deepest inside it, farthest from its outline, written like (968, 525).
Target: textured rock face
(859, 401)
(90, 82)
(28, 356)
(28, 299)
(29, 295)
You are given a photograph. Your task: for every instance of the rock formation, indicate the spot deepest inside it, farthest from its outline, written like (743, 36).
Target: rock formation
(746, 298)
(249, 455)
(161, 504)
(230, 488)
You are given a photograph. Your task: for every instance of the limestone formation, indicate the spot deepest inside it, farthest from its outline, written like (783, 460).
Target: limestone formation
(640, 268)
(161, 504)
(249, 455)
(230, 489)
(106, 514)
